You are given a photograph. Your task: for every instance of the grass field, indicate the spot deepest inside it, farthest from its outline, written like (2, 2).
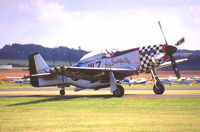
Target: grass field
(99, 114)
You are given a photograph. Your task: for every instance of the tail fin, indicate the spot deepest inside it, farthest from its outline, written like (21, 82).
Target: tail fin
(36, 65)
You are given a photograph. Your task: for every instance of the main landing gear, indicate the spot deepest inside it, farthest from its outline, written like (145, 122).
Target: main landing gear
(158, 87)
(119, 92)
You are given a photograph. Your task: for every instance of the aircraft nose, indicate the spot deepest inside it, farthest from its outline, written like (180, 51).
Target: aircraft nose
(170, 50)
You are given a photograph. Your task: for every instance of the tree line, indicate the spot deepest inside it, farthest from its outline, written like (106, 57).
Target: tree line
(19, 51)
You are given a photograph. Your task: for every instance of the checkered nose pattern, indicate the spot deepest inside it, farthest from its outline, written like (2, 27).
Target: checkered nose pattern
(146, 54)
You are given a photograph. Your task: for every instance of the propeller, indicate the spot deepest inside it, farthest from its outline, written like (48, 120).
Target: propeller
(170, 50)
(70, 62)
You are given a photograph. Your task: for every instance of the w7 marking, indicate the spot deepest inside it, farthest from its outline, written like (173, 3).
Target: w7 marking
(92, 64)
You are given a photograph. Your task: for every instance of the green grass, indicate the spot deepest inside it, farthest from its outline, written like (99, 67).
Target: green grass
(107, 114)
(99, 114)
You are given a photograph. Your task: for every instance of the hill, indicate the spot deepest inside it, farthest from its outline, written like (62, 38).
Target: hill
(21, 52)
(193, 62)
(193, 57)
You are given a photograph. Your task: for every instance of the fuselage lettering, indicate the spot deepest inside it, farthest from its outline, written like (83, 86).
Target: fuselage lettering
(98, 63)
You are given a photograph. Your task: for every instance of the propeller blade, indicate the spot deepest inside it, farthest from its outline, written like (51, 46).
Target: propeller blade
(162, 32)
(180, 41)
(70, 62)
(175, 68)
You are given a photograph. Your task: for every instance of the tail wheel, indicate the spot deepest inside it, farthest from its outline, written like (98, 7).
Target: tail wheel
(158, 88)
(62, 92)
(119, 92)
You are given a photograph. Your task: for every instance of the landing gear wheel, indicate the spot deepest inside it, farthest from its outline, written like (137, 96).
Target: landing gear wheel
(119, 92)
(158, 88)
(62, 92)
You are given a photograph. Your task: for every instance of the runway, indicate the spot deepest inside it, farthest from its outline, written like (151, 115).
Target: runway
(104, 89)
(96, 95)
(106, 96)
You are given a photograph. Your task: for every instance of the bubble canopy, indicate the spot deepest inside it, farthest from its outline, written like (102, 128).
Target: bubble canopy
(95, 55)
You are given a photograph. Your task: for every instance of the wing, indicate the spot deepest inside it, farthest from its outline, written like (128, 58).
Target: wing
(89, 73)
(165, 64)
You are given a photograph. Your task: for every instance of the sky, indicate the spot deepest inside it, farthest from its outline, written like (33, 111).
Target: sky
(100, 24)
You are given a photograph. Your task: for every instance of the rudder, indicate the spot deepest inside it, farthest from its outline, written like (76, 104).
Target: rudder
(36, 65)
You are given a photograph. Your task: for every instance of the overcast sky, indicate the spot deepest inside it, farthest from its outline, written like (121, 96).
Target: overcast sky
(99, 24)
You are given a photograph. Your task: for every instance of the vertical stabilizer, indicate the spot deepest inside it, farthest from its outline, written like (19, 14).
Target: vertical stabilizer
(36, 65)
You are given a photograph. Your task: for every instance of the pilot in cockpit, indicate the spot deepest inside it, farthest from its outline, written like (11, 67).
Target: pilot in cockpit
(112, 53)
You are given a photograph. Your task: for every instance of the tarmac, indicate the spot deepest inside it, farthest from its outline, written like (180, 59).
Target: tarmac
(68, 96)
(104, 89)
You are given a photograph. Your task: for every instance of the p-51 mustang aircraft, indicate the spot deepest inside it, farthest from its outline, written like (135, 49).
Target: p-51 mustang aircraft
(105, 69)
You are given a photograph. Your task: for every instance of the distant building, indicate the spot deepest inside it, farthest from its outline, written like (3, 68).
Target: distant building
(5, 67)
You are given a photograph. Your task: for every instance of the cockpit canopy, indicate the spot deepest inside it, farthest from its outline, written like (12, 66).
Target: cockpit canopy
(96, 55)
